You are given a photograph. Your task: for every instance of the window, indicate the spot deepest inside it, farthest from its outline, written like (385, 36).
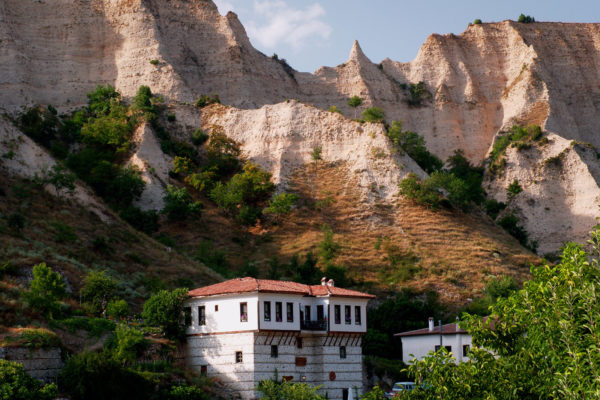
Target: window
(299, 342)
(290, 311)
(187, 316)
(216, 307)
(278, 311)
(448, 349)
(274, 351)
(202, 315)
(342, 351)
(203, 370)
(320, 313)
(307, 313)
(357, 319)
(466, 349)
(437, 347)
(267, 310)
(243, 312)
(238, 357)
(337, 314)
(348, 315)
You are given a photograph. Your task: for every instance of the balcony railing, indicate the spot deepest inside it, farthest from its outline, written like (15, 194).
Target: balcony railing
(319, 325)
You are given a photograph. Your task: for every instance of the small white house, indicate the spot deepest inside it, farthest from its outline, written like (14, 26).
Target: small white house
(242, 330)
(417, 343)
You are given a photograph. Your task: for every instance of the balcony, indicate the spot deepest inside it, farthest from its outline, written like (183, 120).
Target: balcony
(319, 325)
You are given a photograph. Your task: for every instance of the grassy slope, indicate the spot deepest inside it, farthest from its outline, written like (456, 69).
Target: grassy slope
(141, 263)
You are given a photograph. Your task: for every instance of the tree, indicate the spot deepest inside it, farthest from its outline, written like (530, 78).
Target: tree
(272, 389)
(282, 203)
(354, 102)
(477, 21)
(539, 343)
(526, 19)
(17, 384)
(373, 114)
(513, 189)
(46, 290)
(179, 204)
(413, 144)
(61, 178)
(165, 310)
(98, 289)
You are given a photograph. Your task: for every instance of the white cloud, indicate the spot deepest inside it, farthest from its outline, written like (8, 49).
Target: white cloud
(224, 6)
(281, 23)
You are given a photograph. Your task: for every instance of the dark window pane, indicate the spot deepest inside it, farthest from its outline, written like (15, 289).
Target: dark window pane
(338, 314)
(347, 314)
(278, 311)
(357, 316)
(244, 312)
(290, 312)
(202, 315)
(267, 310)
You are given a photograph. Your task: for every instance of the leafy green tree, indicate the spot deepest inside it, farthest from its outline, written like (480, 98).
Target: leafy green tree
(413, 144)
(328, 247)
(199, 137)
(222, 153)
(17, 384)
(373, 114)
(62, 179)
(275, 390)
(98, 289)
(375, 394)
(477, 21)
(142, 101)
(117, 309)
(526, 19)
(354, 102)
(101, 99)
(130, 343)
(46, 290)
(165, 310)
(179, 204)
(282, 203)
(316, 153)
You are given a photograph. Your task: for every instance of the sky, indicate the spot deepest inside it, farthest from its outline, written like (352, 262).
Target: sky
(312, 33)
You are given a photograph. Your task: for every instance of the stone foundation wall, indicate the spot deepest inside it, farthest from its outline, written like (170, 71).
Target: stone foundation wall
(44, 365)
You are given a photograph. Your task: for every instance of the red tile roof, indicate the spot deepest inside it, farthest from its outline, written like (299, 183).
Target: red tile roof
(249, 285)
(447, 329)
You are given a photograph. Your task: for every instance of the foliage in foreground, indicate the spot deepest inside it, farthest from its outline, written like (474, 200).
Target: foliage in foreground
(164, 310)
(16, 384)
(46, 290)
(545, 336)
(271, 389)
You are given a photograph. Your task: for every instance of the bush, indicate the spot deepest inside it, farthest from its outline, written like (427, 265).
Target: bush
(145, 221)
(510, 223)
(282, 203)
(117, 309)
(206, 100)
(97, 376)
(213, 258)
(222, 153)
(316, 153)
(493, 207)
(275, 390)
(30, 338)
(514, 189)
(179, 205)
(420, 191)
(414, 145)
(373, 114)
(183, 391)
(64, 233)
(477, 22)
(328, 248)
(334, 109)
(97, 290)
(154, 62)
(418, 94)
(39, 124)
(129, 344)
(171, 117)
(526, 19)
(45, 290)
(95, 327)
(101, 99)
(16, 384)
(199, 137)
(142, 101)
(62, 179)
(165, 310)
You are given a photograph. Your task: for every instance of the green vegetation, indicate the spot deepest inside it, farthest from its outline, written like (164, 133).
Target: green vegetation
(16, 384)
(316, 153)
(477, 21)
(32, 338)
(179, 205)
(526, 19)
(418, 94)
(354, 102)
(373, 114)
(164, 310)
(413, 144)
(273, 389)
(514, 189)
(95, 327)
(521, 138)
(538, 343)
(117, 309)
(510, 223)
(495, 289)
(493, 207)
(206, 100)
(46, 289)
(154, 62)
(98, 289)
(328, 248)
(282, 203)
(199, 137)
(335, 109)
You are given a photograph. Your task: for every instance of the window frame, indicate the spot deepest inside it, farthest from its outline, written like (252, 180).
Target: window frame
(267, 311)
(274, 351)
(239, 357)
(187, 316)
(348, 315)
(465, 350)
(244, 311)
(337, 314)
(278, 311)
(343, 352)
(289, 311)
(357, 315)
(201, 315)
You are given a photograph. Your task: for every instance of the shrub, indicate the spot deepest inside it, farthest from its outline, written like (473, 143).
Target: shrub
(39, 124)
(145, 221)
(45, 290)
(112, 130)
(328, 248)
(526, 19)
(64, 233)
(142, 101)
(171, 117)
(62, 179)
(477, 22)
(205, 100)
(16, 221)
(204, 179)
(282, 203)
(510, 223)
(213, 258)
(418, 94)
(101, 99)
(493, 207)
(222, 153)
(179, 204)
(97, 290)
(117, 309)
(334, 109)
(183, 391)
(373, 114)
(182, 165)
(154, 62)
(420, 191)
(316, 153)
(95, 327)
(414, 145)
(165, 310)
(199, 137)
(130, 344)
(97, 376)
(271, 389)
(354, 101)
(514, 189)
(32, 339)
(16, 384)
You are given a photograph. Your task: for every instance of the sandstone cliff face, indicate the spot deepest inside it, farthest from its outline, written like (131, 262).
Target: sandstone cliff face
(479, 83)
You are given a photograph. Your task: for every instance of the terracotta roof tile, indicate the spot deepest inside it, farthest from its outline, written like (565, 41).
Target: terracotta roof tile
(249, 285)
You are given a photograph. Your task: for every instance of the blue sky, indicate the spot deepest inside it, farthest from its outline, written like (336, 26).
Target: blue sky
(309, 33)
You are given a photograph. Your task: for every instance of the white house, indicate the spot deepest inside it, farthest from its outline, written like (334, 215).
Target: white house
(241, 330)
(417, 343)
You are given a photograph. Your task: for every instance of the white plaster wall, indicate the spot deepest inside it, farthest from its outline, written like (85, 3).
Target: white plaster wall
(418, 346)
(227, 319)
(352, 327)
(283, 298)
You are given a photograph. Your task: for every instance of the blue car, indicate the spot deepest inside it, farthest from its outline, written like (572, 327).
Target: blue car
(400, 386)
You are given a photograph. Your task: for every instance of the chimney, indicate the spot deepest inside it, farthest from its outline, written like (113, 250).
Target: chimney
(323, 281)
(431, 324)
(330, 283)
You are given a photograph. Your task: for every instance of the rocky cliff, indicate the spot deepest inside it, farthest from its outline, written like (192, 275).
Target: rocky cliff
(477, 85)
